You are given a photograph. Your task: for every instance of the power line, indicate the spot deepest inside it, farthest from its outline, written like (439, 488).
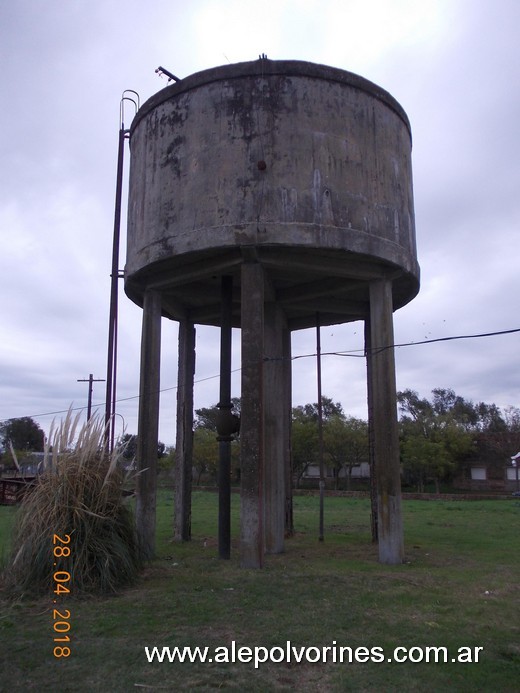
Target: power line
(449, 339)
(122, 399)
(361, 353)
(354, 353)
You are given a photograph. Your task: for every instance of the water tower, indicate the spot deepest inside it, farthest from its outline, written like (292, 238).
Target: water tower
(268, 195)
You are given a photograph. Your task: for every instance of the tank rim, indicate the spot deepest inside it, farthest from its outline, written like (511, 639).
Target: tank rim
(265, 67)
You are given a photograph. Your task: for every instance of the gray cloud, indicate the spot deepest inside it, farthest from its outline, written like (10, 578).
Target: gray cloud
(455, 71)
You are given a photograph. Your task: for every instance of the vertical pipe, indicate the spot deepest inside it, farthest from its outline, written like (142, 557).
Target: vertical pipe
(114, 373)
(184, 437)
(320, 426)
(110, 397)
(148, 423)
(224, 405)
(287, 376)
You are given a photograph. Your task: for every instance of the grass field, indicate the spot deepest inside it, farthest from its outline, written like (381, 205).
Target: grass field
(459, 587)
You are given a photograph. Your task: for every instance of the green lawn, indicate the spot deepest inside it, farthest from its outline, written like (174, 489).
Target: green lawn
(458, 588)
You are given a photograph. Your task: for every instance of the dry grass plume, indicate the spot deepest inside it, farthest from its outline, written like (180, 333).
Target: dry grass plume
(79, 494)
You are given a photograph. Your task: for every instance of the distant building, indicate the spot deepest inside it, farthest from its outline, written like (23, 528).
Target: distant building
(30, 465)
(362, 471)
(501, 475)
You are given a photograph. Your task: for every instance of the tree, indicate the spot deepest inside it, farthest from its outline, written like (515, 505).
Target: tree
(23, 434)
(309, 412)
(435, 436)
(206, 417)
(499, 440)
(490, 418)
(129, 442)
(205, 453)
(512, 419)
(205, 444)
(416, 411)
(424, 459)
(345, 439)
(305, 446)
(345, 444)
(304, 433)
(167, 461)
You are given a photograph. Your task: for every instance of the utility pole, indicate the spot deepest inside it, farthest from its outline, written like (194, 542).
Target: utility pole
(90, 380)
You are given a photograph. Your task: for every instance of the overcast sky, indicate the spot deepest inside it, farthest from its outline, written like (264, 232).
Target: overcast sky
(452, 64)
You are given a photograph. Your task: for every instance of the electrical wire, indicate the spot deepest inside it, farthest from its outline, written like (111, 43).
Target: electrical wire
(354, 353)
(361, 353)
(102, 404)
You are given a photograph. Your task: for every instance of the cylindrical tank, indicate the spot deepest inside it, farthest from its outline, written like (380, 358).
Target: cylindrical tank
(301, 167)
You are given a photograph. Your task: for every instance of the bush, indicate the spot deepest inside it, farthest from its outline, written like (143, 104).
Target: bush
(79, 494)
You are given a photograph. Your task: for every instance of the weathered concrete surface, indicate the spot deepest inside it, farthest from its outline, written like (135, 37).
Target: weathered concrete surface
(148, 423)
(275, 423)
(383, 400)
(225, 422)
(252, 412)
(333, 201)
(370, 408)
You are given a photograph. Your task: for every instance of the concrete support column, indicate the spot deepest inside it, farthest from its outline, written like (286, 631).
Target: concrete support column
(274, 434)
(384, 411)
(252, 414)
(371, 460)
(224, 421)
(184, 438)
(148, 423)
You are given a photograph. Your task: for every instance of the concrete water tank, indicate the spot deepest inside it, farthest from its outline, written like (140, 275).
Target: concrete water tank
(308, 165)
(272, 196)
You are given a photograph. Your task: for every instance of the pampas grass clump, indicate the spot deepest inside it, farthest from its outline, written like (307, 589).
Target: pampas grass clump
(79, 494)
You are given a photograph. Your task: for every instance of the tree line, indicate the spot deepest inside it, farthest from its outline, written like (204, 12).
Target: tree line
(443, 436)
(440, 437)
